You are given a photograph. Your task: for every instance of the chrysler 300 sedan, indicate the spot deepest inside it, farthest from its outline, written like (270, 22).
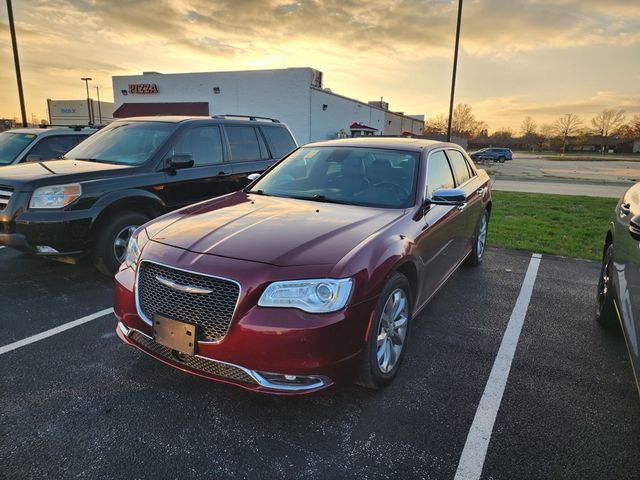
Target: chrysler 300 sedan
(313, 274)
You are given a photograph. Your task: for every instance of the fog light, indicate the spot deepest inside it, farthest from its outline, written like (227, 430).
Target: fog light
(46, 249)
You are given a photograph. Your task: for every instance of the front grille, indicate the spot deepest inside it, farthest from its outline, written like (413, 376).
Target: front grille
(5, 196)
(201, 364)
(210, 312)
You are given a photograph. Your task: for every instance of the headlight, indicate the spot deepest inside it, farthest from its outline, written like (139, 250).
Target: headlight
(322, 295)
(57, 196)
(134, 248)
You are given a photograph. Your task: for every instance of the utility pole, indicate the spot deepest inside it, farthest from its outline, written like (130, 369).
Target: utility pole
(16, 60)
(99, 108)
(86, 81)
(455, 67)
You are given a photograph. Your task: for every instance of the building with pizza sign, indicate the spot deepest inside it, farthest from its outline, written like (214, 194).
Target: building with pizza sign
(295, 96)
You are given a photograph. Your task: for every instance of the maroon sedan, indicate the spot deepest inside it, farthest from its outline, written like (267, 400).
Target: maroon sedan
(312, 274)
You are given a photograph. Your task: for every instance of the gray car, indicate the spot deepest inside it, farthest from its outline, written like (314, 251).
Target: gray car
(37, 144)
(618, 301)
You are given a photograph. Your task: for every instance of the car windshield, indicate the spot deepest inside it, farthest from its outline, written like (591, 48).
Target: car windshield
(370, 177)
(127, 143)
(11, 144)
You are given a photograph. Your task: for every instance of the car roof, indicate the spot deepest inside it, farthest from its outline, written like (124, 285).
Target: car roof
(183, 119)
(56, 130)
(392, 143)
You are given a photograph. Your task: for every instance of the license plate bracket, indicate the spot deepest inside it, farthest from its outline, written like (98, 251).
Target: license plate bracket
(174, 334)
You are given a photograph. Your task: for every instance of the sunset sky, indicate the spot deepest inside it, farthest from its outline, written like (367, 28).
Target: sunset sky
(530, 57)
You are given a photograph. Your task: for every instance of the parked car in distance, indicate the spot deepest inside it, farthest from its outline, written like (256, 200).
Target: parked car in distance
(618, 301)
(126, 174)
(37, 144)
(492, 154)
(312, 274)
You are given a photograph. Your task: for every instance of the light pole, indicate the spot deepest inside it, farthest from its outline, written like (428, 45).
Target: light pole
(455, 66)
(16, 60)
(99, 109)
(86, 81)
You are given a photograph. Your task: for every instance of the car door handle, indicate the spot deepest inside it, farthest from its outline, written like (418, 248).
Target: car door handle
(480, 191)
(461, 207)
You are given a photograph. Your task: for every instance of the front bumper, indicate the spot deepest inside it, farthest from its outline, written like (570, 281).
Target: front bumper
(269, 350)
(57, 233)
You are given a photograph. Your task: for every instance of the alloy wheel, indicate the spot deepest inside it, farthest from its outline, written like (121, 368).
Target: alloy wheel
(392, 331)
(121, 241)
(482, 236)
(603, 283)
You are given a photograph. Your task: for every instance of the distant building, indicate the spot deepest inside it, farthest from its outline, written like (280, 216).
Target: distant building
(79, 112)
(295, 96)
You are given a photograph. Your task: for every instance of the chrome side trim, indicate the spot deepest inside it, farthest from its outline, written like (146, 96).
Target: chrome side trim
(319, 380)
(149, 322)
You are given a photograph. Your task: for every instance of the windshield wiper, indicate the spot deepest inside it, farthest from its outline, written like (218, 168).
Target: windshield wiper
(258, 192)
(321, 198)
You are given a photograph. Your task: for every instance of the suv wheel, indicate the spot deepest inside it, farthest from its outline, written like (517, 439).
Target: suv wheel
(606, 315)
(480, 243)
(382, 356)
(112, 239)
(502, 159)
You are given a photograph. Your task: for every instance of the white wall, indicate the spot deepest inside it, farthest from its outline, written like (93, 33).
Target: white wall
(283, 94)
(340, 113)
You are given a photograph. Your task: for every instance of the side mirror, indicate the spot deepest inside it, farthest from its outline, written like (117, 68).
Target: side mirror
(180, 161)
(634, 228)
(252, 177)
(34, 158)
(447, 196)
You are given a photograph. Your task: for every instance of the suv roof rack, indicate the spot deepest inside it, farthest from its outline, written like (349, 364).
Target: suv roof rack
(253, 118)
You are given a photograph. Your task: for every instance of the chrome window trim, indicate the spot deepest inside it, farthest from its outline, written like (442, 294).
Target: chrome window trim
(150, 322)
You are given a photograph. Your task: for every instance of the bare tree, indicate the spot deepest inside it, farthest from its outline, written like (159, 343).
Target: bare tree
(465, 123)
(605, 123)
(436, 125)
(631, 130)
(567, 125)
(528, 127)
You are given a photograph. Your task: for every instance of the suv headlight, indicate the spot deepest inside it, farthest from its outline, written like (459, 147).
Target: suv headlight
(134, 248)
(56, 196)
(323, 295)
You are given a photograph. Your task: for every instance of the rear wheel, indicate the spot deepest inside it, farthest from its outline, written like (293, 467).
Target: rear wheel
(112, 239)
(606, 315)
(480, 242)
(502, 159)
(387, 341)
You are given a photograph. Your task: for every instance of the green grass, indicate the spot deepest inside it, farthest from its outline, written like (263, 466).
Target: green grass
(573, 226)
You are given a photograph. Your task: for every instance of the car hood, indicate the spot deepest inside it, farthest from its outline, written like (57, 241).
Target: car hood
(272, 230)
(61, 170)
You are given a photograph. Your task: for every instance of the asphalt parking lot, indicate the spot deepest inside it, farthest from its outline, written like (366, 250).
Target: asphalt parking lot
(79, 404)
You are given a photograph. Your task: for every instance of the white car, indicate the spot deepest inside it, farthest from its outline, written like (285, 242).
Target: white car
(37, 144)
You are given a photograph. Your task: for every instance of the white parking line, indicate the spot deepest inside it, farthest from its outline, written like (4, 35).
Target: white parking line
(54, 331)
(475, 448)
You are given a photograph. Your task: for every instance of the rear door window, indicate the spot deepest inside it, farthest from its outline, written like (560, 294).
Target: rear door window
(439, 173)
(246, 144)
(204, 144)
(460, 167)
(280, 140)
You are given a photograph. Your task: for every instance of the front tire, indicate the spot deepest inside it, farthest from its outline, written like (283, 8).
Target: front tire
(112, 238)
(388, 335)
(480, 242)
(605, 313)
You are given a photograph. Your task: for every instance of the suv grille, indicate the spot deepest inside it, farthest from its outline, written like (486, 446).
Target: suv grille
(211, 312)
(202, 364)
(5, 195)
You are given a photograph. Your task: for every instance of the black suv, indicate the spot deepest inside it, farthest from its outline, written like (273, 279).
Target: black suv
(92, 199)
